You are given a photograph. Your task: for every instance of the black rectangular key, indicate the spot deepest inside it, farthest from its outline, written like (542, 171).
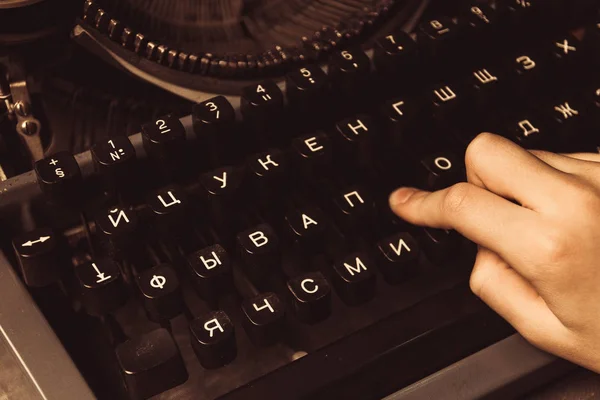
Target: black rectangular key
(441, 170)
(440, 245)
(354, 278)
(354, 210)
(312, 154)
(161, 293)
(264, 318)
(307, 87)
(164, 140)
(120, 227)
(311, 297)
(355, 137)
(60, 179)
(168, 207)
(213, 339)
(214, 122)
(41, 255)
(101, 286)
(261, 103)
(151, 364)
(396, 56)
(308, 228)
(114, 159)
(211, 270)
(260, 250)
(398, 257)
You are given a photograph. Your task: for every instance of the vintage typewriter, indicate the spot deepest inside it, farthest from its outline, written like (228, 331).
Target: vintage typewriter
(193, 195)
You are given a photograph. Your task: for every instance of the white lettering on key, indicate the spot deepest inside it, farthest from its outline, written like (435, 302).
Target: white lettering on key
(397, 107)
(310, 291)
(267, 305)
(266, 163)
(173, 200)
(566, 110)
(527, 62)
(565, 46)
(158, 281)
(442, 163)
(528, 128)
(210, 263)
(401, 244)
(121, 215)
(53, 162)
(306, 220)
(101, 276)
(30, 243)
(312, 144)
(484, 76)
(212, 325)
(258, 238)
(445, 94)
(352, 269)
(223, 180)
(347, 196)
(59, 172)
(356, 128)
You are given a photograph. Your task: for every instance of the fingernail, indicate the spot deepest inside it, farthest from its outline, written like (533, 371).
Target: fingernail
(401, 196)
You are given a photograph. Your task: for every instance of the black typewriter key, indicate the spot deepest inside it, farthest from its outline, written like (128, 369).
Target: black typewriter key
(313, 156)
(161, 293)
(114, 158)
(486, 85)
(264, 318)
(526, 129)
(119, 226)
(308, 227)
(398, 257)
(101, 286)
(224, 189)
(395, 56)
(441, 170)
(527, 72)
(398, 116)
(447, 102)
(311, 297)
(354, 210)
(60, 179)
(566, 119)
(523, 14)
(306, 86)
(213, 339)
(164, 139)
(151, 364)
(437, 37)
(349, 69)
(168, 207)
(355, 137)
(440, 245)
(260, 103)
(268, 173)
(260, 250)
(41, 256)
(211, 271)
(213, 121)
(354, 278)
(566, 52)
(479, 19)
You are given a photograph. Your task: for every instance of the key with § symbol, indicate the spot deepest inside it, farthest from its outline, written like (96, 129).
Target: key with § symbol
(41, 256)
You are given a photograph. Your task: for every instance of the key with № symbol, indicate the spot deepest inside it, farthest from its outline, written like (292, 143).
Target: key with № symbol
(60, 179)
(114, 159)
(41, 256)
(101, 286)
(161, 293)
(213, 339)
(151, 364)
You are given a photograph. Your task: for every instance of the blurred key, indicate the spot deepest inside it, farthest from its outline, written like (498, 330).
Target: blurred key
(398, 257)
(151, 364)
(349, 70)
(440, 245)
(437, 39)
(354, 278)
(396, 56)
(164, 140)
(261, 103)
(101, 286)
(211, 269)
(41, 256)
(264, 318)
(311, 297)
(306, 87)
(161, 293)
(213, 339)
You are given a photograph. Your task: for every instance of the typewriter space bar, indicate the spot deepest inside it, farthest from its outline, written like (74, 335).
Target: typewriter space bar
(34, 363)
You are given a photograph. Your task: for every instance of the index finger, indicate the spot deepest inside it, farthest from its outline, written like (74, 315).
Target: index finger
(479, 215)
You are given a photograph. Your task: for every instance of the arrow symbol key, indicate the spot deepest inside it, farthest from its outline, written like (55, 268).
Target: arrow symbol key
(41, 255)
(102, 289)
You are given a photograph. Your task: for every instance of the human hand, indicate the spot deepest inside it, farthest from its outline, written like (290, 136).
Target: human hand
(538, 264)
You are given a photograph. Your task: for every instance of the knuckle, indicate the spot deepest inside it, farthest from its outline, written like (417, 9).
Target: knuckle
(477, 147)
(553, 245)
(455, 198)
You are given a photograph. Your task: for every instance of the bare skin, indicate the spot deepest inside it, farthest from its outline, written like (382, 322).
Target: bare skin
(538, 264)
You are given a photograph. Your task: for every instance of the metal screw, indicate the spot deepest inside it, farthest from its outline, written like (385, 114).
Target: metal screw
(29, 128)
(22, 108)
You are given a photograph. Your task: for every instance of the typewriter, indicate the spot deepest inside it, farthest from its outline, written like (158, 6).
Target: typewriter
(193, 195)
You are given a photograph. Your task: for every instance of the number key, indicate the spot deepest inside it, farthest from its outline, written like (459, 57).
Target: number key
(163, 138)
(306, 85)
(261, 101)
(395, 54)
(349, 69)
